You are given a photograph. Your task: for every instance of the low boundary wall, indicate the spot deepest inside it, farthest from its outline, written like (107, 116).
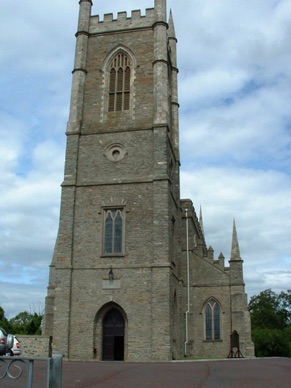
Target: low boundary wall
(35, 345)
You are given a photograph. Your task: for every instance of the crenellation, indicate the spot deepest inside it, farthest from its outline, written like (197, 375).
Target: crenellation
(108, 17)
(150, 13)
(122, 22)
(122, 15)
(135, 13)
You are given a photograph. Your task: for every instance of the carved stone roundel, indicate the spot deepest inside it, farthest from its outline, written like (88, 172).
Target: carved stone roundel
(115, 152)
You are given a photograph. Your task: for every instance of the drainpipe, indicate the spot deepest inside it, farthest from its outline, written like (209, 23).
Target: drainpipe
(188, 282)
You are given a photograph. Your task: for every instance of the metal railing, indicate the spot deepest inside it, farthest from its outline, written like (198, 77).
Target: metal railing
(15, 367)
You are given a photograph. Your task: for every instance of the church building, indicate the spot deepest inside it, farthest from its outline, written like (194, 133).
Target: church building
(131, 276)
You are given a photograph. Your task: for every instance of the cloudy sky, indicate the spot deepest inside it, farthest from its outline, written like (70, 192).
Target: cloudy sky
(235, 132)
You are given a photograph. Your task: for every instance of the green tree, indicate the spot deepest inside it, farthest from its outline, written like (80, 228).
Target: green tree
(26, 323)
(271, 323)
(271, 310)
(270, 342)
(4, 323)
(34, 327)
(285, 303)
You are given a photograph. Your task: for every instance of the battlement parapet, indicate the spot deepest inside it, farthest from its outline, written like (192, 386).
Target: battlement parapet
(108, 24)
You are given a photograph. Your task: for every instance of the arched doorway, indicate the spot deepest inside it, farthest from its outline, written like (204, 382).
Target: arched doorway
(113, 336)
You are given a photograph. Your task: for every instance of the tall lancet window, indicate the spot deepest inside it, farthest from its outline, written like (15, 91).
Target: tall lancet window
(212, 320)
(119, 83)
(113, 243)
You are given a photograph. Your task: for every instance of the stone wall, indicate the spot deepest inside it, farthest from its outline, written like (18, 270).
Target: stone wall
(34, 345)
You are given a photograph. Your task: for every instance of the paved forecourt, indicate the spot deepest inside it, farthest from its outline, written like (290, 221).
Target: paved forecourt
(249, 373)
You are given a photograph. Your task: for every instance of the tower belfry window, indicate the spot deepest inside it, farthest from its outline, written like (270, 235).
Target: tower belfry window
(119, 83)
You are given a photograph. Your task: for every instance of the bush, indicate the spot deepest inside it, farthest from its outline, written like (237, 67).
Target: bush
(270, 343)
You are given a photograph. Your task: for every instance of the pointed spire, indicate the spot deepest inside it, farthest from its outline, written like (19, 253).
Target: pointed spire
(235, 252)
(171, 29)
(201, 221)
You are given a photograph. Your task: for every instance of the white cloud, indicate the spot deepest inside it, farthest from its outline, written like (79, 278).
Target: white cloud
(17, 297)
(251, 127)
(210, 86)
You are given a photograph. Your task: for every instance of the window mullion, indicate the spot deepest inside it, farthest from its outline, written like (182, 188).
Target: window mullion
(213, 324)
(123, 87)
(113, 236)
(115, 92)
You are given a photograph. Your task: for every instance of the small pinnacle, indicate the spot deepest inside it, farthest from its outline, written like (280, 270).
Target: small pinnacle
(171, 30)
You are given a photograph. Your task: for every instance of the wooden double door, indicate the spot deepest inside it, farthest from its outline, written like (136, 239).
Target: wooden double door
(113, 336)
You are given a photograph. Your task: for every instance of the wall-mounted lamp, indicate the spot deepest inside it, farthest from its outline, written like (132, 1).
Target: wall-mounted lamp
(110, 274)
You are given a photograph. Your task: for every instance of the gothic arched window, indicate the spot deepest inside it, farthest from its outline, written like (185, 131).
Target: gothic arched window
(119, 83)
(113, 232)
(212, 320)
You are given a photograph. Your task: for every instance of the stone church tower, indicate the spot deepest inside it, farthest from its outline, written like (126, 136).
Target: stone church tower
(131, 277)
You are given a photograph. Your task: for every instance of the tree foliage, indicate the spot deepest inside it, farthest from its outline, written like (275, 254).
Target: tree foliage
(22, 323)
(4, 321)
(26, 323)
(271, 323)
(270, 343)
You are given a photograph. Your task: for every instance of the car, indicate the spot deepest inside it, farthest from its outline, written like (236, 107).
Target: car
(3, 341)
(16, 348)
(9, 344)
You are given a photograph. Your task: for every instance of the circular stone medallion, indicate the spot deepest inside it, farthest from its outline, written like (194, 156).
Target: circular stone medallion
(115, 152)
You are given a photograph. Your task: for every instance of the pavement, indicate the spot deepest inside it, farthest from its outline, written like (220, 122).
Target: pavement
(238, 373)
